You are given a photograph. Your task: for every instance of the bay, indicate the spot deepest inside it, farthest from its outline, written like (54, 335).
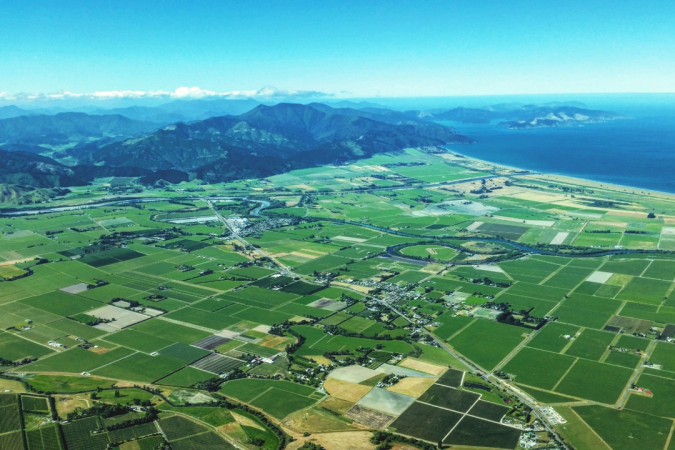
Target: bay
(637, 152)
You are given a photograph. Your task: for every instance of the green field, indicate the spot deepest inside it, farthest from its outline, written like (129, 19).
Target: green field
(582, 310)
(266, 394)
(177, 427)
(61, 383)
(621, 429)
(154, 367)
(659, 404)
(366, 266)
(552, 337)
(538, 368)
(487, 342)
(590, 344)
(34, 404)
(594, 381)
(664, 355)
(430, 252)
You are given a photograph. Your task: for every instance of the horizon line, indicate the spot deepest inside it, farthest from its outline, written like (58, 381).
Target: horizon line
(263, 94)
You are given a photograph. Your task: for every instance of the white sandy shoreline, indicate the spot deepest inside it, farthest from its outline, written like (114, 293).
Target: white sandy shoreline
(569, 178)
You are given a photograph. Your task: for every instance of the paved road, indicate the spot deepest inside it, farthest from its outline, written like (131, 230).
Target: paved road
(636, 374)
(474, 368)
(235, 235)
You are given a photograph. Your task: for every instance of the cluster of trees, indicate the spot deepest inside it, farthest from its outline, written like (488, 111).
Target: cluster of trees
(350, 357)
(307, 200)
(90, 320)
(385, 441)
(213, 384)
(489, 282)
(210, 385)
(99, 409)
(7, 362)
(132, 303)
(391, 379)
(336, 330)
(292, 348)
(283, 437)
(508, 318)
(311, 446)
(280, 329)
(150, 415)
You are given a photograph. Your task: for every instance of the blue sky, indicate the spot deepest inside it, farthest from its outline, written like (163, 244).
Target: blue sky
(345, 48)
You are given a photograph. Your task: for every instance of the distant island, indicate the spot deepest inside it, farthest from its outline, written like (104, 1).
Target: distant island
(529, 116)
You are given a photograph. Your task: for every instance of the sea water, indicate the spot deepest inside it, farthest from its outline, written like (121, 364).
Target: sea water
(638, 151)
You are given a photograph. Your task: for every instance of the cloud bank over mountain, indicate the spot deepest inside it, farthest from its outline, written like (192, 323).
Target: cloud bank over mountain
(180, 93)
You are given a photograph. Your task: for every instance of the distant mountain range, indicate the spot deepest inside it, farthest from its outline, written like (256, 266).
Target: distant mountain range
(37, 171)
(264, 141)
(29, 169)
(528, 116)
(182, 110)
(253, 140)
(41, 133)
(268, 140)
(10, 111)
(28, 195)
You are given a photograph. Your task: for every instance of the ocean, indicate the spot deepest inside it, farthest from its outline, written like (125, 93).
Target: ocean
(637, 152)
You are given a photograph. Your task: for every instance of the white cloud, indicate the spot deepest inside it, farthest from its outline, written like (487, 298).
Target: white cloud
(118, 94)
(182, 92)
(193, 92)
(272, 92)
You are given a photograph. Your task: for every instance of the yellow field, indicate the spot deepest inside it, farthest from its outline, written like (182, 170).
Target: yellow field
(320, 359)
(10, 271)
(547, 197)
(298, 318)
(242, 420)
(345, 390)
(316, 421)
(275, 342)
(99, 350)
(432, 268)
(66, 404)
(345, 439)
(355, 287)
(16, 261)
(624, 213)
(307, 255)
(234, 431)
(11, 386)
(262, 328)
(611, 223)
(619, 279)
(133, 445)
(412, 386)
(416, 364)
(336, 405)
(349, 238)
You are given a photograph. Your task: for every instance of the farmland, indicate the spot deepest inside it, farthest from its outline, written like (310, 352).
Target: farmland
(344, 305)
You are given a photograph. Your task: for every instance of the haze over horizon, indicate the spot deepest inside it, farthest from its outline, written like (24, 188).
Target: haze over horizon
(77, 49)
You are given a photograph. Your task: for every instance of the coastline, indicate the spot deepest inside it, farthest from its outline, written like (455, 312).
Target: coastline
(570, 179)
